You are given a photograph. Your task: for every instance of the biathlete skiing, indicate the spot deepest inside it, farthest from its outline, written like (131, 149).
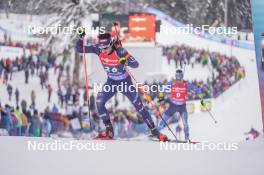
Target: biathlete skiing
(177, 95)
(114, 58)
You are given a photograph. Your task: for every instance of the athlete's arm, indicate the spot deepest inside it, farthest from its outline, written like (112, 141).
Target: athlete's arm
(189, 86)
(131, 61)
(88, 48)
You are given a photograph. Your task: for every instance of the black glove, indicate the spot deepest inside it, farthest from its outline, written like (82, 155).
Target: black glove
(81, 32)
(202, 102)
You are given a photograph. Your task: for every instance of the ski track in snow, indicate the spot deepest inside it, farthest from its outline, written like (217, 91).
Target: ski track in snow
(130, 158)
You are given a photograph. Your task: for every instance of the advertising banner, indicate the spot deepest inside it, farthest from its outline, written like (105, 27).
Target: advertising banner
(258, 27)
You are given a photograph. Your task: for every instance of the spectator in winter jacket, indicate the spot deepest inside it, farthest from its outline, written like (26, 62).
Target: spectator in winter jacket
(55, 109)
(9, 91)
(33, 99)
(42, 78)
(24, 106)
(60, 97)
(35, 127)
(85, 121)
(47, 126)
(7, 122)
(17, 96)
(10, 68)
(49, 92)
(26, 73)
(18, 116)
(24, 124)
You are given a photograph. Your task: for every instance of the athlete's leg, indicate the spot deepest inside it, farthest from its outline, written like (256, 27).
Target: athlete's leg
(184, 116)
(132, 94)
(102, 97)
(134, 97)
(167, 115)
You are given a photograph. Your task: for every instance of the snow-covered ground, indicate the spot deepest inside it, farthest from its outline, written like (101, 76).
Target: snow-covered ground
(130, 158)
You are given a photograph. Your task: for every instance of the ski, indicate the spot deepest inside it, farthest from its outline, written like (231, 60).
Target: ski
(149, 139)
(183, 141)
(177, 141)
(173, 141)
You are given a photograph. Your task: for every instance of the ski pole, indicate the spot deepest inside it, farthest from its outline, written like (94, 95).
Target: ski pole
(86, 84)
(117, 34)
(204, 105)
(211, 115)
(151, 103)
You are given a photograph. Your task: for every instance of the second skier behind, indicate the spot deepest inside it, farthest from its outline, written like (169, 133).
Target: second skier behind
(177, 101)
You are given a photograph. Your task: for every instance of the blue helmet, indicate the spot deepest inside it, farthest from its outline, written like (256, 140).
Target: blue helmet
(105, 40)
(179, 74)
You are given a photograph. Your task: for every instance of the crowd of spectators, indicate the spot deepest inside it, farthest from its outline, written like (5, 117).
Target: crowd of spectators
(28, 121)
(226, 70)
(7, 41)
(24, 119)
(25, 62)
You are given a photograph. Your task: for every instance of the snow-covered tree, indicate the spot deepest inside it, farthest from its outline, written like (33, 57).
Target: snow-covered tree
(70, 14)
(196, 12)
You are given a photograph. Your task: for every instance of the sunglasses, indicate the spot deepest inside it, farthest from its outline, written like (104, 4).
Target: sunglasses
(105, 47)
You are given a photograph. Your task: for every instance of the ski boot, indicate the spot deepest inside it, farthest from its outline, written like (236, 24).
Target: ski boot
(159, 135)
(107, 134)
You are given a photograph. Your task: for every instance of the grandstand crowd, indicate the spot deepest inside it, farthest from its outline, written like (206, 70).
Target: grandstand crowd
(226, 70)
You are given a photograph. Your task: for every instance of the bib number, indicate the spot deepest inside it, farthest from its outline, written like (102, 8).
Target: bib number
(110, 70)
